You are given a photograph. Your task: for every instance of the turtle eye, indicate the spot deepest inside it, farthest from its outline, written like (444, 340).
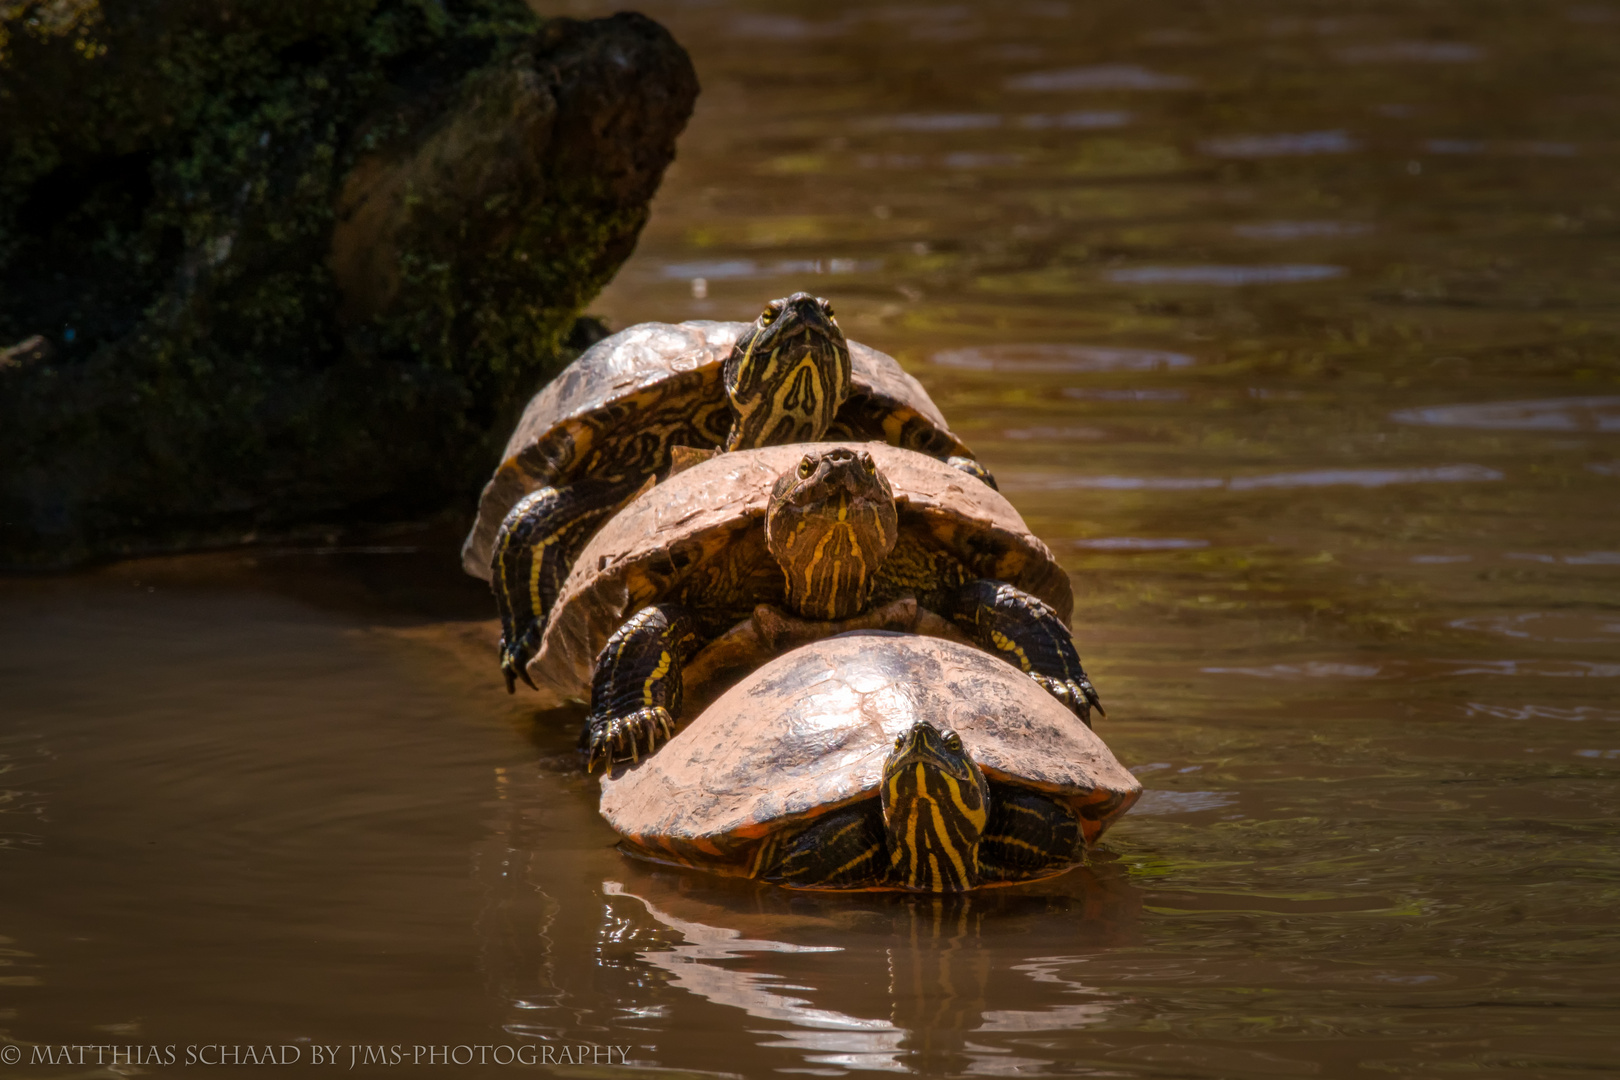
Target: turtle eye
(953, 743)
(899, 741)
(868, 463)
(767, 316)
(826, 308)
(806, 466)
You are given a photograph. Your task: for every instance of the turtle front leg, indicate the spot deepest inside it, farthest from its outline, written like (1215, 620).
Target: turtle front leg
(846, 849)
(534, 550)
(636, 691)
(1026, 632)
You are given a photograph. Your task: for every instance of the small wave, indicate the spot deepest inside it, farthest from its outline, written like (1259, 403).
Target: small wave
(1156, 803)
(1082, 120)
(1367, 478)
(1413, 52)
(1601, 414)
(1141, 543)
(1281, 145)
(1224, 275)
(1298, 230)
(1312, 670)
(719, 270)
(1089, 394)
(1100, 77)
(1060, 358)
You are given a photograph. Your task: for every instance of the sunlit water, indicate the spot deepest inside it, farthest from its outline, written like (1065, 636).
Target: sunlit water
(1292, 328)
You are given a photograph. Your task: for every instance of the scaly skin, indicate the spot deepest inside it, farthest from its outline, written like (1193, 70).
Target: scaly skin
(1023, 630)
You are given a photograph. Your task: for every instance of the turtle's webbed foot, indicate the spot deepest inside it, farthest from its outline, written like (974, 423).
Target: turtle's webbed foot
(612, 739)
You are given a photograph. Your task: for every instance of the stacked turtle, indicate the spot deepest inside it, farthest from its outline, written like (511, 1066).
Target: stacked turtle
(757, 538)
(655, 396)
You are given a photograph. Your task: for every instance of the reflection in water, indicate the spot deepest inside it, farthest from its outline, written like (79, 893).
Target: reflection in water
(931, 965)
(835, 1038)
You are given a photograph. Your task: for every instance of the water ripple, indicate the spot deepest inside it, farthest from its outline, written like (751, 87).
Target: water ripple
(1298, 230)
(1224, 275)
(1084, 120)
(1419, 52)
(1311, 670)
(1100, 77)
(1157, 803)
(1060, 358)
(1601, 414)
(1366, 478)
(1282, 145)
(1141, 543)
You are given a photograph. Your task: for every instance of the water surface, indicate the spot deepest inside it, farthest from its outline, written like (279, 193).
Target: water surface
(1290, 327)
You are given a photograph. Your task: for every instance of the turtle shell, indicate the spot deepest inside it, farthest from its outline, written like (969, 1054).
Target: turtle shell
(632, 396)
(808, 733)
(641, 554)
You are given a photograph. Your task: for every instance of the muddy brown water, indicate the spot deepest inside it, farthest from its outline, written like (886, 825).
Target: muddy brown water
(1290, 326)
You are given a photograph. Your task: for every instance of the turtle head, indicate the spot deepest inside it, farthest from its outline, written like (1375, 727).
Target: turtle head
(830, 523)
(787, 375)
(935, 805)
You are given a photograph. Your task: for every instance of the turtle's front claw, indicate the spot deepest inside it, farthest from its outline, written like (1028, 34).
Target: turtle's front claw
(515, 660)
(1077, 695)
(614, 739)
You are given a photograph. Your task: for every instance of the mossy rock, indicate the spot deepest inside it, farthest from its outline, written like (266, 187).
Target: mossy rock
(267, 266)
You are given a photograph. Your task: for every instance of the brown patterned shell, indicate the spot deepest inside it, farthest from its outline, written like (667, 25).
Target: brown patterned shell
(632, 396)
(808, 732)
(643, 551)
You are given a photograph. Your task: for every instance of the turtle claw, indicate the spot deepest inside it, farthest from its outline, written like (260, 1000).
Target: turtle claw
(1077, 695)
(619, 738)
(515, 660)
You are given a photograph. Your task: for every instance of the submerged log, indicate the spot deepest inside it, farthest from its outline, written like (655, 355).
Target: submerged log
(267, 266)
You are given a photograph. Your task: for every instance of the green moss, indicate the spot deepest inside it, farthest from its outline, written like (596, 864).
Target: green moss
(166, 221)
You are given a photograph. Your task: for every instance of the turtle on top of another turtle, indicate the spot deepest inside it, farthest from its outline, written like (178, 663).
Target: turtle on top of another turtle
(876, 761)
(613, 418)
(694, 573)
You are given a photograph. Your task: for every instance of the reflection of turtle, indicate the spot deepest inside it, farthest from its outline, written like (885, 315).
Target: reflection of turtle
(611, 419)
(876, 761)
(844, 537)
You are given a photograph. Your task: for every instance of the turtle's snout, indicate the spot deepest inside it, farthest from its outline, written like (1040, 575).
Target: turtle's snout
(852, 472)
(801, 315)
(925, 743)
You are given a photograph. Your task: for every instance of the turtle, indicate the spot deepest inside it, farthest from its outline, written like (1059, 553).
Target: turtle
(690, 579)
(616, 416)
(876, 760)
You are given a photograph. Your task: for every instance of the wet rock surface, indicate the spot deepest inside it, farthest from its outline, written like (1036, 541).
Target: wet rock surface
(280, 267)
